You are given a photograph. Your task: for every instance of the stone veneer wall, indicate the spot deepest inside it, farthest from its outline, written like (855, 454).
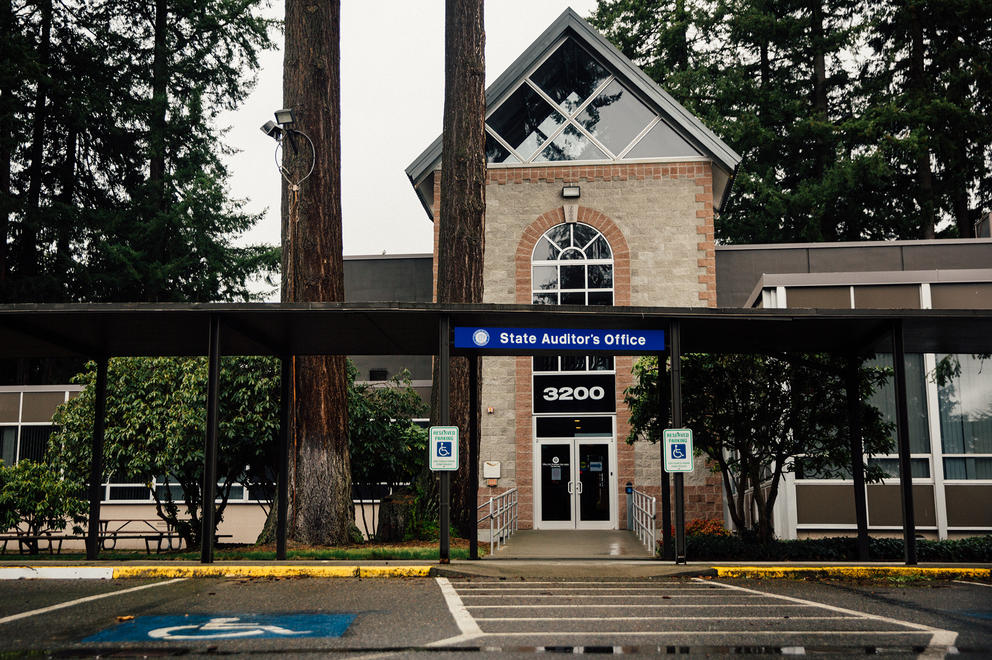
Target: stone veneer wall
(658, 219)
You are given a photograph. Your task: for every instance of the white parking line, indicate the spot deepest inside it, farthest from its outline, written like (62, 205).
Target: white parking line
(977, 584)
(470, 629)
(78, 601)
(510, 595)
(940, 640)
(666, 618)
(630, 605)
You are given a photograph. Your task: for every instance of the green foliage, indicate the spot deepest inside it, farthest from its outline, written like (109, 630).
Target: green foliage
(156, 424)
(836, 106)
(116, 189)
(753, 415)
(975, 549)
(386, 447)
(35, 498)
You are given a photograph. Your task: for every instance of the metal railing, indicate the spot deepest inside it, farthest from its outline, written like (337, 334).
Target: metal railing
(502, 518)
(645, 508)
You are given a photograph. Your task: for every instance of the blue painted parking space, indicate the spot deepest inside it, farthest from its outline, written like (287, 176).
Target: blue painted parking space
(192, 627)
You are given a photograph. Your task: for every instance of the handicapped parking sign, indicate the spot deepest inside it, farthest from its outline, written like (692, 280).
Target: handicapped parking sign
(191, 627)
(678, 450)
(443, 448)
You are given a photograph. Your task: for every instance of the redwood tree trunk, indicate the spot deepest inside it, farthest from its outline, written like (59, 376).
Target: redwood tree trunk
(321, 510)
(461, 232)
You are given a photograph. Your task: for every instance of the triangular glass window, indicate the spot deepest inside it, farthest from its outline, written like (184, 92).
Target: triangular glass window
(615, 117)
(525, 121)
(497, 153)
(661, 141)
(570, 75)
(570, 145)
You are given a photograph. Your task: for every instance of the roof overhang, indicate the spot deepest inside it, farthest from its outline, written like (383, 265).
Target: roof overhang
(725, 160)
(82, 330)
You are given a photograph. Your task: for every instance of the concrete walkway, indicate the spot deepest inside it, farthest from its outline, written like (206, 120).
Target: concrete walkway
(573, 544)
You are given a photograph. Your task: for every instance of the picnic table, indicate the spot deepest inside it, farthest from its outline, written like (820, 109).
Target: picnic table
(151, 530)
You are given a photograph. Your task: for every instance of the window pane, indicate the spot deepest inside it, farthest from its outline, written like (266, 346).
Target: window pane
(918, 467)
(8, 444)
(570, 145)
(965, 402)
(615, 117)
(573, 363)
(525, 121)
(545, 363)
(545, 298)
(577, 298)
(600, 297)
(572, 254)
(600, 276)
(570, 75)
(560, 235)
(544, 251)
(129, 493)
(661, 140)
(582, 235)
(497, 153)
(601, 362)
(40, 406)
(573, 277)
(599, 249)
(884, 399)
(164, 491)
(968, 468)
(34, 442)
(545, 277)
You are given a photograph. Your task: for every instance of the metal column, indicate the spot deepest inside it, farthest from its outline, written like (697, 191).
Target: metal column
(210, 446)
(902, 437)
(853, 392)
(96, 460)
(473, 450)
(667, 548)
(282, 496)
(444, 412)
(675, 351)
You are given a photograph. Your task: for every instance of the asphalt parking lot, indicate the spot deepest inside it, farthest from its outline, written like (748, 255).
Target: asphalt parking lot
(383, 617)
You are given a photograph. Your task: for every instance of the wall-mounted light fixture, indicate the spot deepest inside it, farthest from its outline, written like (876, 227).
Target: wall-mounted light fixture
(571, 192)
(284, 117)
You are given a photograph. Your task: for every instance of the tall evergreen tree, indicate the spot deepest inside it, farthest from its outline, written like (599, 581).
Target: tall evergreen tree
(321, 510)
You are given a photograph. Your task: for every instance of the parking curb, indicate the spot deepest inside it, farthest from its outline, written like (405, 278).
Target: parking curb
(851, 572)
(210, 571)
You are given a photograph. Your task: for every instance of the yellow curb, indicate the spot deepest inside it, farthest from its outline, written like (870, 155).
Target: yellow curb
(850, 571)
(270, 571)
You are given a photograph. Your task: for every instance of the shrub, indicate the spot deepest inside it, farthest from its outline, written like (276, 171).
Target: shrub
(708, 547)
(706, 526)
(35, 498)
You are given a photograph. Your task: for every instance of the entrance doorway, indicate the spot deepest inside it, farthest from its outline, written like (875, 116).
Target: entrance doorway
(575, 465)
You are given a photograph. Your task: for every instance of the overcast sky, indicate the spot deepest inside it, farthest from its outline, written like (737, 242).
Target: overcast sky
(392, 85)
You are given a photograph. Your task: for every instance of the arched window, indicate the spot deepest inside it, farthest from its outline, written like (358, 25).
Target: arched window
(572, 264)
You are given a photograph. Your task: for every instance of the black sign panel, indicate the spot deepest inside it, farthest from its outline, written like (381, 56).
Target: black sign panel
(575, 393)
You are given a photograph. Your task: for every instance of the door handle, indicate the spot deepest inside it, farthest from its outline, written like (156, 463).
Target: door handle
(571, 487)
(578, 486)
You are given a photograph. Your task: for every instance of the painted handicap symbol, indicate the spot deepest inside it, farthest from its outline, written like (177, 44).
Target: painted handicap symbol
(444, 449)
(678, 450)
(222, 628)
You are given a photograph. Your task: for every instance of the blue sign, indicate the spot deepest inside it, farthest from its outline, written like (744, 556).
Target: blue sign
(444, 449)
(559, 339)
(678, 450)
(193, 627)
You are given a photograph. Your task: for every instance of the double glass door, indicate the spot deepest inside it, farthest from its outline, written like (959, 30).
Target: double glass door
(576, 475)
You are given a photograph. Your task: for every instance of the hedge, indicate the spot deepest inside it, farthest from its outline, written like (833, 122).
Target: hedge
(708, 547)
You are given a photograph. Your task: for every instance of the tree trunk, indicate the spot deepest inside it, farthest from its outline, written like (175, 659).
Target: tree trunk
(822, 149)
(28, 254)
(461, 232)
(321, 511)
(157, 140)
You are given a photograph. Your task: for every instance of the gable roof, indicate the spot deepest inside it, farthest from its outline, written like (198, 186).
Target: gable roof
(420, 171)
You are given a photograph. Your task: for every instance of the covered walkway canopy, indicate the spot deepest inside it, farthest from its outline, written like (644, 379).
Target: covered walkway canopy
(101, 331)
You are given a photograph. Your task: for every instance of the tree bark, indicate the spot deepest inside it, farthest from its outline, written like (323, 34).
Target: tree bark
(321, 511)
(461, 230)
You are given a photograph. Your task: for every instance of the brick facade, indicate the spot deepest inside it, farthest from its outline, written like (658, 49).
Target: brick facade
(658, 218)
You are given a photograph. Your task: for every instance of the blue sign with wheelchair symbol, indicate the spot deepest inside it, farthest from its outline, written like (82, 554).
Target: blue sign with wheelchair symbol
(444, 449)
(678, 450)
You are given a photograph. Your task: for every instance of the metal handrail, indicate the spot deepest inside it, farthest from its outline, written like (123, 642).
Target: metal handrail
(502, 516)
(645, 508)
